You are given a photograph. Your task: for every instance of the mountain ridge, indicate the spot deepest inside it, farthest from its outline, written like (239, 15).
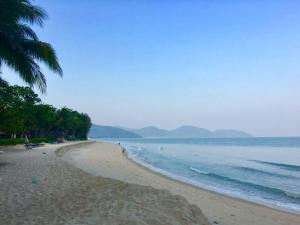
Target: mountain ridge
(185, 131)
(99, 131)
(188, 131)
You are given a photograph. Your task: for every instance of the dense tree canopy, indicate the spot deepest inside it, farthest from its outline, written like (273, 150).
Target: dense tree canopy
(21, 111)
(20, 47)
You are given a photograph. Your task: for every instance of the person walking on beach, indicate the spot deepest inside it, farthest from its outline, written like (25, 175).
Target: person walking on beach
(27, 144)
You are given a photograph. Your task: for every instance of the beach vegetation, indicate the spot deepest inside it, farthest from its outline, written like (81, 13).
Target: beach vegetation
(20, 47)
(15, 141)
(23, 113)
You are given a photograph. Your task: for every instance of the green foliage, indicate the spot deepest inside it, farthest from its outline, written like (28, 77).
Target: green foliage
(15, 141)
(16, 104)
(73, 124)
(20, 48)
(22, 112)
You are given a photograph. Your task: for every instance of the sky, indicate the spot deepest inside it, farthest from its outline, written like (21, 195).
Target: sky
(212, 64)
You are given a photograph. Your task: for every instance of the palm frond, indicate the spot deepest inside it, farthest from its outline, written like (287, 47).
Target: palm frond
(31, 13)
(27, 32)
(43, 52)
(13, 11)
(23, 64)
(20, 47)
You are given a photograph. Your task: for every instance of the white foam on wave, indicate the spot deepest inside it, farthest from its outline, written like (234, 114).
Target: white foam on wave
(199, 171)
(231, 193)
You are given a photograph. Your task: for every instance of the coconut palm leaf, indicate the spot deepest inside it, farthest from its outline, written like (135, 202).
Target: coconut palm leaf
(20, 48)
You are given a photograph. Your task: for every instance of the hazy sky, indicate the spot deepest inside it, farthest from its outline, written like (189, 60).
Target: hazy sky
(213, 64)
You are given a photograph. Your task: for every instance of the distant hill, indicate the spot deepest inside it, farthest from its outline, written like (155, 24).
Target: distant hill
(224, 133)
(188, 132)
(150, 132)
(98, 131)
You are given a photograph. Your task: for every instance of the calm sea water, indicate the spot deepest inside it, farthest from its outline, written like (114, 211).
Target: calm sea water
(265, 170)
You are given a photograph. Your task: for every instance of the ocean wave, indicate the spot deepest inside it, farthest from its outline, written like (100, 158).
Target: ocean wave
(199, 171)
(262, 172)
(260, 141)
(280, 165)
(248, 191)
(293, 197)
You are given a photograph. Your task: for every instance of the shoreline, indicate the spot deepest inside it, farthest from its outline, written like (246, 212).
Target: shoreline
(236, 198)
(106, 160)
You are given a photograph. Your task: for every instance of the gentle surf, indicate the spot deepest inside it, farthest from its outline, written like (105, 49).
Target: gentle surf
(263, 170)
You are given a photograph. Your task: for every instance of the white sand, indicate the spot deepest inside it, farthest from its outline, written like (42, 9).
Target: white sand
(38, 188)
(106, 160)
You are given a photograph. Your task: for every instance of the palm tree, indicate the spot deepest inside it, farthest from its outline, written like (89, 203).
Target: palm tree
(20, 48)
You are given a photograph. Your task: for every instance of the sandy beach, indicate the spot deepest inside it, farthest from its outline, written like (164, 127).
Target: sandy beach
(149, 112)
(38, 188)
(106, 160)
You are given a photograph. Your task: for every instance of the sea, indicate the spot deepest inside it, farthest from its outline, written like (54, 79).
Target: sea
(262, 170)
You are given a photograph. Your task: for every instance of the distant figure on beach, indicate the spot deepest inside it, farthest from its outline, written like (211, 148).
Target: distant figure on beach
(27, 144)
(123, 150)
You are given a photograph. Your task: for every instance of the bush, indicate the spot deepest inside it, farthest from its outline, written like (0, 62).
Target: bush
(39, 140)
(10, 141)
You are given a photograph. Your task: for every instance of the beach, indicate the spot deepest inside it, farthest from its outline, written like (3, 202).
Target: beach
(38, 187)
(149, 112)
(107, 160)
(95, 183)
